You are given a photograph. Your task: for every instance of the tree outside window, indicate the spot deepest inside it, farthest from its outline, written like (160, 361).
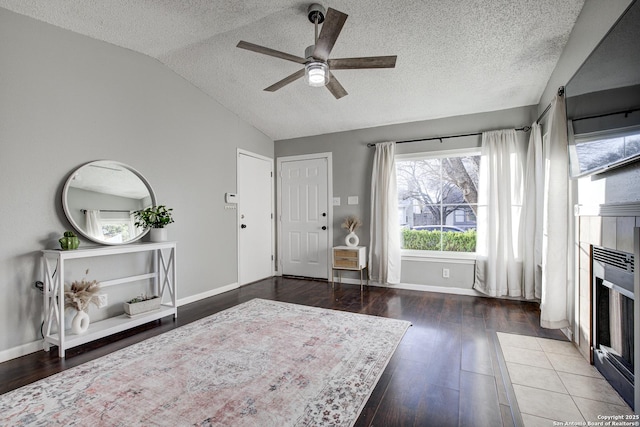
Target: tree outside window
(438, 202)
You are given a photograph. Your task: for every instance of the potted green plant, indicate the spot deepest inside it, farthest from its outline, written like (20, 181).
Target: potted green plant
(141, 304)
(155, 218)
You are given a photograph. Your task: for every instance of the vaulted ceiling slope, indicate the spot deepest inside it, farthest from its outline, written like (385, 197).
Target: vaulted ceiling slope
(454, 56)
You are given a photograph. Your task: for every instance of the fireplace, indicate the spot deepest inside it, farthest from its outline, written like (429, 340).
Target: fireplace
(612, 310)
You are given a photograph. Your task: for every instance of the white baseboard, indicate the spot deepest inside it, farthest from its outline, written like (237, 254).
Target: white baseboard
(21, 350)
(207, 294)
(415, 287)
(32, 347)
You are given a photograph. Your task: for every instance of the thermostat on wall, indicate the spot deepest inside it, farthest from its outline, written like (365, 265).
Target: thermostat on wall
(230, 198)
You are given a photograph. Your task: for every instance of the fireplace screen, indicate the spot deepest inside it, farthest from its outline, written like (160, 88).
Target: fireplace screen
(613, 318)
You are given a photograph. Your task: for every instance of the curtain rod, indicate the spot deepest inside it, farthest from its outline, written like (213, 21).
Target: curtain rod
(625, 112)
(546, 110)
(440, 138)
(84, 211)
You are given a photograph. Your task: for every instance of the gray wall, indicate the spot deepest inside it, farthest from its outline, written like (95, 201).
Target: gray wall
(352, 161)
(67, 99)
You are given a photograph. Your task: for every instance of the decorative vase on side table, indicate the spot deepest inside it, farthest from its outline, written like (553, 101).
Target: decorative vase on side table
(80, 322)
(351, 223)
(79, 296)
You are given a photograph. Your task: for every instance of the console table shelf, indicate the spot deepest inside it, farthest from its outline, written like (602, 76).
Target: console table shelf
(164, 284)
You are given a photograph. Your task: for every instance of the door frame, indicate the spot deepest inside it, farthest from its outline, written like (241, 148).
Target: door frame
(239, 152)
(329, 158)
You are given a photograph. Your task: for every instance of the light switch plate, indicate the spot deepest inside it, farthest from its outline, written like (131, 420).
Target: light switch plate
(336, 201)
(353, 200)
(102, 300)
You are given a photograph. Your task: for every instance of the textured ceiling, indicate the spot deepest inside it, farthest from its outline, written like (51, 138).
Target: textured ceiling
(454, 56)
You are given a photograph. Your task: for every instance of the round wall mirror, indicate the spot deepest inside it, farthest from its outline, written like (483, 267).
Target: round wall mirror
(99, 199)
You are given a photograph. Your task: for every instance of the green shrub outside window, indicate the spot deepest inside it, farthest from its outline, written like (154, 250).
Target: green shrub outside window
(424, 240)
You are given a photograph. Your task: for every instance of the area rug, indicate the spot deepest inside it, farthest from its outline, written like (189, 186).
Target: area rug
(261, 363)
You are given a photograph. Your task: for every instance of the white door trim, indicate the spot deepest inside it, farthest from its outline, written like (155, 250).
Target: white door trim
(329, 157)
(273, 215)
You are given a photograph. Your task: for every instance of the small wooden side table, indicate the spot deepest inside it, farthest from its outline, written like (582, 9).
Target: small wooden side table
(352, 258)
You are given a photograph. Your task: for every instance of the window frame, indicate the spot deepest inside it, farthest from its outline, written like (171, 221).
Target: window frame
(577, 139)
(116, 220)
(438, 256)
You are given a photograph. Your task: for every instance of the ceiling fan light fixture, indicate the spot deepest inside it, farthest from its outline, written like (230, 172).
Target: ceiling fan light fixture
(316, 73)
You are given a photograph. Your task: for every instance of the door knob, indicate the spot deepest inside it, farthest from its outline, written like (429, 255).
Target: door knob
(243, 226)
(324, 227)
(324, 214)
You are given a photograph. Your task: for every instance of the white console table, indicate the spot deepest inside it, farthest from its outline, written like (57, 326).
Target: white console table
(53, 263)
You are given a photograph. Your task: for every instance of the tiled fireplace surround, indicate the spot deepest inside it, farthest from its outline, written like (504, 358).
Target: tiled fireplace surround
(615, 232)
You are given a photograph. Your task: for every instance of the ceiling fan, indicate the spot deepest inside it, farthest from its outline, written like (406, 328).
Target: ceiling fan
(317, 65)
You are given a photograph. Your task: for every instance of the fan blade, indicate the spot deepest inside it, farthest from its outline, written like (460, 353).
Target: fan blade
(293, 77)
(335, 87)
(333, 23)
(368, 62)
(271, 52)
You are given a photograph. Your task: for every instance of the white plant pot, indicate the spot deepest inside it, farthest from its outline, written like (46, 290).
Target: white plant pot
(158, 235)
(142, 306)
(80, 323)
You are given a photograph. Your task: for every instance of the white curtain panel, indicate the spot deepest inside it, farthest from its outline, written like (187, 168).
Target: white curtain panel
(92, 222)
(557, 221)
(499, 246)
(533, 210)
(384, 251)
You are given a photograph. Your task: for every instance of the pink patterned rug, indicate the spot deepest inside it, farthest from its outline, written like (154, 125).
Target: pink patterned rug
(261, 363)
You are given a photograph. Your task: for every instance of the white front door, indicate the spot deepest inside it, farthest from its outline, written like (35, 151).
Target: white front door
(255, 196)
(304, 217)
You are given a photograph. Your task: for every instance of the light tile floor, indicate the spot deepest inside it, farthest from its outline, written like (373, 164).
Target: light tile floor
(553, 382)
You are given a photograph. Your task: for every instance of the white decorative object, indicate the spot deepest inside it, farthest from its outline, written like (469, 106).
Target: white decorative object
(352, 240)
(163, 278)
(158, 235)
(80, 322)
(133, 309)
(351, 223)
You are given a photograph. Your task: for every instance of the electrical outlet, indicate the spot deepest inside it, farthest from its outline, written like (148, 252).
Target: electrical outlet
(445, 273)
(102, 300)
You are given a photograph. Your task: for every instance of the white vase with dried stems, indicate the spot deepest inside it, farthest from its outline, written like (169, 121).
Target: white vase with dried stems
(351, 223)
(79, 296)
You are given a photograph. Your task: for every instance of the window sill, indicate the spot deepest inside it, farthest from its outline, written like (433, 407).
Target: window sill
(428, 256)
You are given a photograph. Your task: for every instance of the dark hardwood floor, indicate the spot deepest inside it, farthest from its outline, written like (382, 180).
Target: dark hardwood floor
(445, 372)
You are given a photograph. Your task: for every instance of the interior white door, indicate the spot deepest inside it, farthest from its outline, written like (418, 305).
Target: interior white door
(304, 218)
(255, 209)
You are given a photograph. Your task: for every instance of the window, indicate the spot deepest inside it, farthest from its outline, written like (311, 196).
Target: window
(117, 227)
(598, 151)
(438, 200)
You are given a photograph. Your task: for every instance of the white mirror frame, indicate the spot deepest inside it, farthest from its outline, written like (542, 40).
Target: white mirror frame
(79, 227)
